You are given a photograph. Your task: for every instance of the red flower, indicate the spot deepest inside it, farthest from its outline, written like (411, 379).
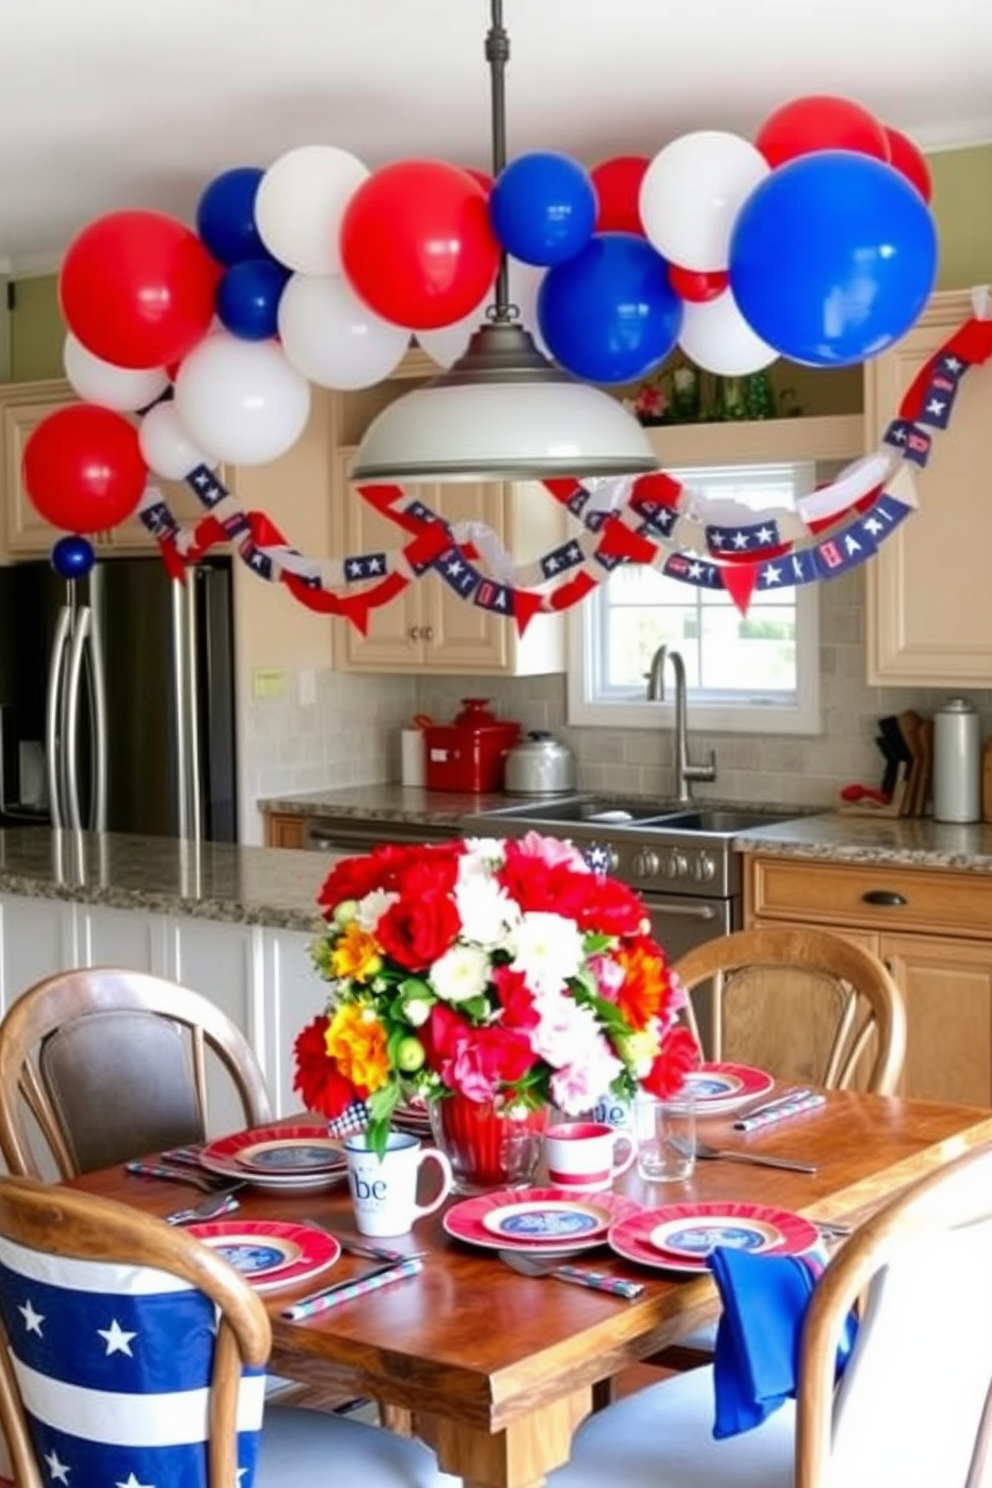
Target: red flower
(317, 1079)
(678, 1057)
(475, 1061)
(515, 998)
(421, 926)
(386, 868)
(602, 904)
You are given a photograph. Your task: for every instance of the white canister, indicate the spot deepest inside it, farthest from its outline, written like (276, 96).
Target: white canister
(412, 756)
(957, 763)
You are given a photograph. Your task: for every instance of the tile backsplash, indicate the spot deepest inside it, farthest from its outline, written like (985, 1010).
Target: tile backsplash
(350, 735)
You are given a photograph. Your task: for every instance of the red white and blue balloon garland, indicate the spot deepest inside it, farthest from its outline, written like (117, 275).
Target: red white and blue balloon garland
(319, 270)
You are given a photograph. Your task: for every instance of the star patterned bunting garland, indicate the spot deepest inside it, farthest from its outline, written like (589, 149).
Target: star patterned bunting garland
(652, 520)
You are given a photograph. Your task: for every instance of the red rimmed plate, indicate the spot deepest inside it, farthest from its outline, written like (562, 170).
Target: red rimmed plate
(724, 1087)
(267, 1252)
(679, 1237)
(486, 1219)
(238, 1156)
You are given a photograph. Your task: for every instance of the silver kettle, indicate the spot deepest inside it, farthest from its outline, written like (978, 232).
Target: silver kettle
(540, 766)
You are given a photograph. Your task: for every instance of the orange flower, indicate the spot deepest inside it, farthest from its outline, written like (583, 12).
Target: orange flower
(356, 1041)
(646, 989)
(356, 955)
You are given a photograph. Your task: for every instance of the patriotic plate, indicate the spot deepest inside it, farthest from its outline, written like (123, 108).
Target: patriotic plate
(549, 1220)
(483, 1220)
(267, 1252)
(720, 1088)
(679, 1237)
(264, 1156)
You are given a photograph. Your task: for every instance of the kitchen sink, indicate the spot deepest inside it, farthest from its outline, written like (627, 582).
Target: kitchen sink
(605, 814)
(572, 809)
(722, 821)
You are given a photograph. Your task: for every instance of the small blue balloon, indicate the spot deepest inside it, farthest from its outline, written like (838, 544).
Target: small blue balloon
(610, 314)
(225, 216)
(543, 207)
(248, 298)
(832, 258)
(72, 557)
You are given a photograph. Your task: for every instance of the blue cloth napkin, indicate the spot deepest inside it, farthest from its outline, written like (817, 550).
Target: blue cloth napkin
(764, 1298)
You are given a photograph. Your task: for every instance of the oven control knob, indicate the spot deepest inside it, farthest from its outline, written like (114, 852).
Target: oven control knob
(704, 869)
(676, 865)
(645, 863)
(601, 857)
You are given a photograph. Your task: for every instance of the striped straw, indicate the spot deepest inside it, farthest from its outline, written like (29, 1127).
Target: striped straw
(334, 1296)
(803, 1102)
(600, 1282)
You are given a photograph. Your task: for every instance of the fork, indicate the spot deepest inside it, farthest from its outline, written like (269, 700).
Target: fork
(223, 1203)
(760, 1159)
(599, 1281)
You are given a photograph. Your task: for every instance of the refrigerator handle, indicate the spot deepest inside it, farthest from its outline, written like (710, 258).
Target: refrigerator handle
(98, 679)
(187, 719)
(54, 716)
(71, 738)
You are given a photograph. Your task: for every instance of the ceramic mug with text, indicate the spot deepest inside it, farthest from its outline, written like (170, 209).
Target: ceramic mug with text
(384, 1190)
(587, 1155)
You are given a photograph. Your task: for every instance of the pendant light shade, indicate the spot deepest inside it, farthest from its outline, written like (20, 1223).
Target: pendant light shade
(502, 412)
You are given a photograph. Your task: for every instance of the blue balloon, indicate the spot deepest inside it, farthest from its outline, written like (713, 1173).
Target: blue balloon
(248, 298)
(543, 207)
(72, 557)
(225, 216)
(832, 258)
(610, 314)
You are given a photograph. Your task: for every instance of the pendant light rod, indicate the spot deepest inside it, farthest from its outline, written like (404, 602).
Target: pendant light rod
(497, 55)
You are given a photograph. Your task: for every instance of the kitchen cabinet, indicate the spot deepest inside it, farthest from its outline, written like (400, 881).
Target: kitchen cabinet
(929, 602)
(429, 628)
(931, 927)
(26, 534)
(284, 829)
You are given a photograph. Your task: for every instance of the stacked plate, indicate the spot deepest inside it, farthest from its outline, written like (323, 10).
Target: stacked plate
(721, 1088)
(544, 1221)
(412, 1117)
(278, 1157)
(679, 1237)
(267, 1252)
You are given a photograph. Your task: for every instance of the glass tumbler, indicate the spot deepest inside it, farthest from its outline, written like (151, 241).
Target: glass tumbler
(666, 1152)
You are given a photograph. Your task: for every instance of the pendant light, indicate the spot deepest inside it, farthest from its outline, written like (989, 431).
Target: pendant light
(503, 411)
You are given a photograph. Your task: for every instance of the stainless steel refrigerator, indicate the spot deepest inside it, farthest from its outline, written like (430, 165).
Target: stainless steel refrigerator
(122, 683)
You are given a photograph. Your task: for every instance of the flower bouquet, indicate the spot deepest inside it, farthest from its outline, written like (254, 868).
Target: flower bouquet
(495, 971)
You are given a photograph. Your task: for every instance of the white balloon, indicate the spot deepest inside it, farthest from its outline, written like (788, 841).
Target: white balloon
(716, 336)
(692, 192)
(448, 343)
(165, 445)
(335, 340)
(300, 202)
(108, 386)
(241, 400)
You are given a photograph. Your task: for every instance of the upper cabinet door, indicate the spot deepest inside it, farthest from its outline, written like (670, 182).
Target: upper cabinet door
(929, 614)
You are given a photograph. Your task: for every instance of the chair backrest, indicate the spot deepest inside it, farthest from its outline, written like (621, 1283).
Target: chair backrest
(800, 1003)
(113, 1063)
(129, 1352)
(914, 1405)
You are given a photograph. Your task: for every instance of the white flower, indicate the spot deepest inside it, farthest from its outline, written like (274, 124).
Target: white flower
(485, 910)
(372, 908)
(582, 1079)
(460, 973)
(547, 950)
(416, 1011)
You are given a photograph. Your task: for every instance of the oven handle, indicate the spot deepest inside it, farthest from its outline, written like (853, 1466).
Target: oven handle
(678, 908)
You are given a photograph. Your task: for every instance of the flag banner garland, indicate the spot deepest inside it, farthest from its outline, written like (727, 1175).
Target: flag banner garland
(653, 520)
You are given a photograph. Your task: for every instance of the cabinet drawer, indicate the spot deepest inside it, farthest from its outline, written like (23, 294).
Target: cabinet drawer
(876, 897)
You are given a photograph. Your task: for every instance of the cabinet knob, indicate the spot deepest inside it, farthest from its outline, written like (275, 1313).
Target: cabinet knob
(427, 633)
(888, 898)
(414, 632)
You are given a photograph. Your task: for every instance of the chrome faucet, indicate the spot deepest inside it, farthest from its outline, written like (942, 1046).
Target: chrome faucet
(685, 771)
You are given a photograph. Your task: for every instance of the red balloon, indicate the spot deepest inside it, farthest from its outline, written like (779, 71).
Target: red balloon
(417, 245)
(618, 190)
(696, 285)
(820, 122)
(137, 289)
(483, 178)
(905, 157)
(83, 468)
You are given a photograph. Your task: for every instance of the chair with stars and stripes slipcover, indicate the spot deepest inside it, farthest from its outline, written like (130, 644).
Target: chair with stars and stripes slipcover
(133, 1355)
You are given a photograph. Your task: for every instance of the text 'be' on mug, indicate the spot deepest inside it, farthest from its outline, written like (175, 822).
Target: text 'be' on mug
(384, 1190)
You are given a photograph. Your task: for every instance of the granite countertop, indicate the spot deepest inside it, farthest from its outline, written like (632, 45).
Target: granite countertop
(906, 841)
(389, 802)
(277, 887)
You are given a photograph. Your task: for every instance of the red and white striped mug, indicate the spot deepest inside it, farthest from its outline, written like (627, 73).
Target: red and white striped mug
(586, 1155)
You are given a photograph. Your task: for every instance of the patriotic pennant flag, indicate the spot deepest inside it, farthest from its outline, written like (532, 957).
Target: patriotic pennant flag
(113, 1364)
(912, 441)
(746, 540)
(457, 572)
(940, 392)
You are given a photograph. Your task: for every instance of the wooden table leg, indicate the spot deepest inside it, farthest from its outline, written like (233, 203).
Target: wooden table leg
(519, 1456)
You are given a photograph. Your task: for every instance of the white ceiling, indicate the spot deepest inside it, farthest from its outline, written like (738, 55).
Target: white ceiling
(107, 104)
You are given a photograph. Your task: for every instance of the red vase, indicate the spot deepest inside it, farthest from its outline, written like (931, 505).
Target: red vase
(489, 1144)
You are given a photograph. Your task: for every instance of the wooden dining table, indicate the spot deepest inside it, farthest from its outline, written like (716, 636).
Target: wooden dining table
(496, 1370)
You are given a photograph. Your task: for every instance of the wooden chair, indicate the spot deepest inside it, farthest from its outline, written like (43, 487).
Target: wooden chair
(803, 1004)
(132, 1353)
(112, 1064)
(914, 1406)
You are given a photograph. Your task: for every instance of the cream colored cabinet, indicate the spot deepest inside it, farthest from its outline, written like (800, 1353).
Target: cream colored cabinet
(929, 613)
(932, 928)
(285, 829)
(429, 627)
(23, 406)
